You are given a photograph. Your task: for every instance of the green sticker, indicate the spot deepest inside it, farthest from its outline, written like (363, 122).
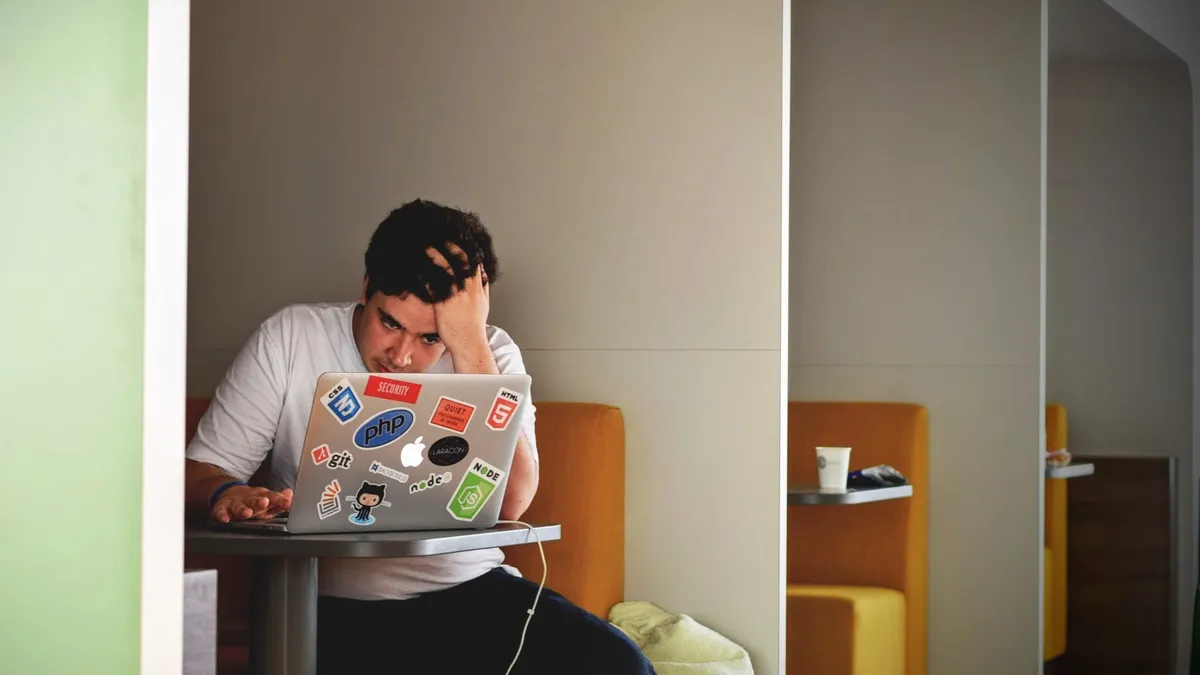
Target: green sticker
(476, 486)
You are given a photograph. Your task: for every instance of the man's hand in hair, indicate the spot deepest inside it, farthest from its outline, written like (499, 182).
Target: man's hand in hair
(462, 318)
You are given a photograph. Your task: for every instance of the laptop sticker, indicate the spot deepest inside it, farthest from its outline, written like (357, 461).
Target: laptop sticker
(342, 402)
(388, 472)
(341, 460)
(448, 451)
(393, 390)
(320, 454)
(330, 505)
(476, 486)
(370, 496)
(410, 454)
(384, 428)
(506, 404)
(453, 415)
(434, 480)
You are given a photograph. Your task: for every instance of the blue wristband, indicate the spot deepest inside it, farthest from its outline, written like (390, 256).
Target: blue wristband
(212, 501)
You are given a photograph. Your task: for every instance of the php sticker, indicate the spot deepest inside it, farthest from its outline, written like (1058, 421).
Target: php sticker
(330, 505)
(320, 454)
(448, 451)
(451, 414)
(398, 476)
(342, 402)
(394, 390)
(384, 428)
(476, 486)
(503, 408)
(370, 497)
(434, 480)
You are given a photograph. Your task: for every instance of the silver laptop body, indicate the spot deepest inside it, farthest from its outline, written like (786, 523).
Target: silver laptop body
(389, 452)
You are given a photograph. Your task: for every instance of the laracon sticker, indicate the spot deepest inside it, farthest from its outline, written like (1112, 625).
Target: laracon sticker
(394, 390)
(506, 404)
(434, 480)
(320, 454)
(342, 402)
(370, 496)
(384, 428)
(341, 460)
(398, 476)
(476, 486)
(453, 415)
(448, 451)
(330, 505)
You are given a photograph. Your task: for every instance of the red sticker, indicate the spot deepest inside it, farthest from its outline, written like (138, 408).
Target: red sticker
(506, 404)
(451, 414)
(320, 455)
(394, 390)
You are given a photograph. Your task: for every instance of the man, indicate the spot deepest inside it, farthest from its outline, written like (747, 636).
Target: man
(424, 308)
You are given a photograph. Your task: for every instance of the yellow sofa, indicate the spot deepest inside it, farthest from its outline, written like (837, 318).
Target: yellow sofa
(858, 575)
(1055, 599)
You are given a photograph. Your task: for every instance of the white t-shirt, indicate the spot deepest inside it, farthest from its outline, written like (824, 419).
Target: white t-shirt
(260, 412)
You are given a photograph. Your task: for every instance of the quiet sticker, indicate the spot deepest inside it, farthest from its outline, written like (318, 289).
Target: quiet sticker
(393, 390)
(476, 486)
(506, 404)
(451, 414)
(330, 505)
(342, 402)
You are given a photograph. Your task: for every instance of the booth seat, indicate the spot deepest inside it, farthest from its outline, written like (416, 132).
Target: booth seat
(1055, 579)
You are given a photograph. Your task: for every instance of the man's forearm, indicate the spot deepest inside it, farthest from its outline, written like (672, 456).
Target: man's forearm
(200, 481)
(522, 482)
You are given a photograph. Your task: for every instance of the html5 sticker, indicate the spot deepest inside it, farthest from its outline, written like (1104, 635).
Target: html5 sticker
(394, 390)
(503, 408)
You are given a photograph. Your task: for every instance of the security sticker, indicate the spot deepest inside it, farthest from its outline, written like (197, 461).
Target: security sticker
(448, 451)
(394, 390)
(451, 414)
(389, 472)
(476, 486)
(370, 496)
(342, 402)
(330, 505)
(506, 404)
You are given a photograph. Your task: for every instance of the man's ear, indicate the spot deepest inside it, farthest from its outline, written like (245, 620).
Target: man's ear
(363, 298)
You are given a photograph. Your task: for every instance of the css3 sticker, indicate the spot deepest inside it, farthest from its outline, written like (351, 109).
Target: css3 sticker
(370, 496)
(476, 486)
(342, 402)
(506, 404)
(384, 428)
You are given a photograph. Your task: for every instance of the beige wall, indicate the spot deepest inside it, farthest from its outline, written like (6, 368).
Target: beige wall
(916, 240)
(1119, 296)
(628, 157)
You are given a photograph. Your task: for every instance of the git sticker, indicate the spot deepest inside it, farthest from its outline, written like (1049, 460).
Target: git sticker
(342, 402)
(320, 454)
(506, 404)
(476, 486)
(330, 505)
(394, 390)
(451, 414)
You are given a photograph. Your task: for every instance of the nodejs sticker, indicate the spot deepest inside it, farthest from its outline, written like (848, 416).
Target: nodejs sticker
(342, 402)
(370, 497)
(476, 486)
(503, 408)
(393, 390)
(389, 472)
(330, 505)
(434, 480)
(384, 428)
(451, 414)
(448, 451)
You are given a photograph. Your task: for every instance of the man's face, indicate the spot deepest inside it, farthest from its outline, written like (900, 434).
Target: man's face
(397, 335)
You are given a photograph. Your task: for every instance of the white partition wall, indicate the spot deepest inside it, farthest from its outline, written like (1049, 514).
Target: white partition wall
(629, 158)
(915, 274)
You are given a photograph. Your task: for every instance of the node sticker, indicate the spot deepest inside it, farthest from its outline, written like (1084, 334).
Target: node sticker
(476, 486)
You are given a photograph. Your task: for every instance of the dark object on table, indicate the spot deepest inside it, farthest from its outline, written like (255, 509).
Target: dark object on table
(878, 476)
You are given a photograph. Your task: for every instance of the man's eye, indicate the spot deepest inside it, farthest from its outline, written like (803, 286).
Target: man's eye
(431, 340)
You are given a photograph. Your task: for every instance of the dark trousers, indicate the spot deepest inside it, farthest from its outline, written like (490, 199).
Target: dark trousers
(471, 628)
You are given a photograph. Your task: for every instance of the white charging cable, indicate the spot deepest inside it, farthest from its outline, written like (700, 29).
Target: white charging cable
(538, 595)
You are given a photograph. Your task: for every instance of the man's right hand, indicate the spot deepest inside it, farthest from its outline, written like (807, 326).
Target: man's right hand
(242, 502)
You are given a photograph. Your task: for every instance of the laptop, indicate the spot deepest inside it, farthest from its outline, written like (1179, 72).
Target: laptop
(391, 452)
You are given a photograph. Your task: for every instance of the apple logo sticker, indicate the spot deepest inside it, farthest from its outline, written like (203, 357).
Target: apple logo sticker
(411, 454)
(449, 450)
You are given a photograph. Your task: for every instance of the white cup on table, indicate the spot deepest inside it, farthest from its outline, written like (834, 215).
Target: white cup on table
(833, 465)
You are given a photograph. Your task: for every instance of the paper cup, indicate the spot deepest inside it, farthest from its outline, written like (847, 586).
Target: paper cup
(833, 465)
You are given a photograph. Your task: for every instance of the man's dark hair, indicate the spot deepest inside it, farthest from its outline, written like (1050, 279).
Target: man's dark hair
(397, 262)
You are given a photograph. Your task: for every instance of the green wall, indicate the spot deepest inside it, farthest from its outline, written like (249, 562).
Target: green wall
(72, 170)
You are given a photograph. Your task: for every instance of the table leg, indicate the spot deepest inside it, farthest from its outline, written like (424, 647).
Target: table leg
(283, 617)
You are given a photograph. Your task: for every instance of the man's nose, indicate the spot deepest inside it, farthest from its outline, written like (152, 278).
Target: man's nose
(401, 352)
